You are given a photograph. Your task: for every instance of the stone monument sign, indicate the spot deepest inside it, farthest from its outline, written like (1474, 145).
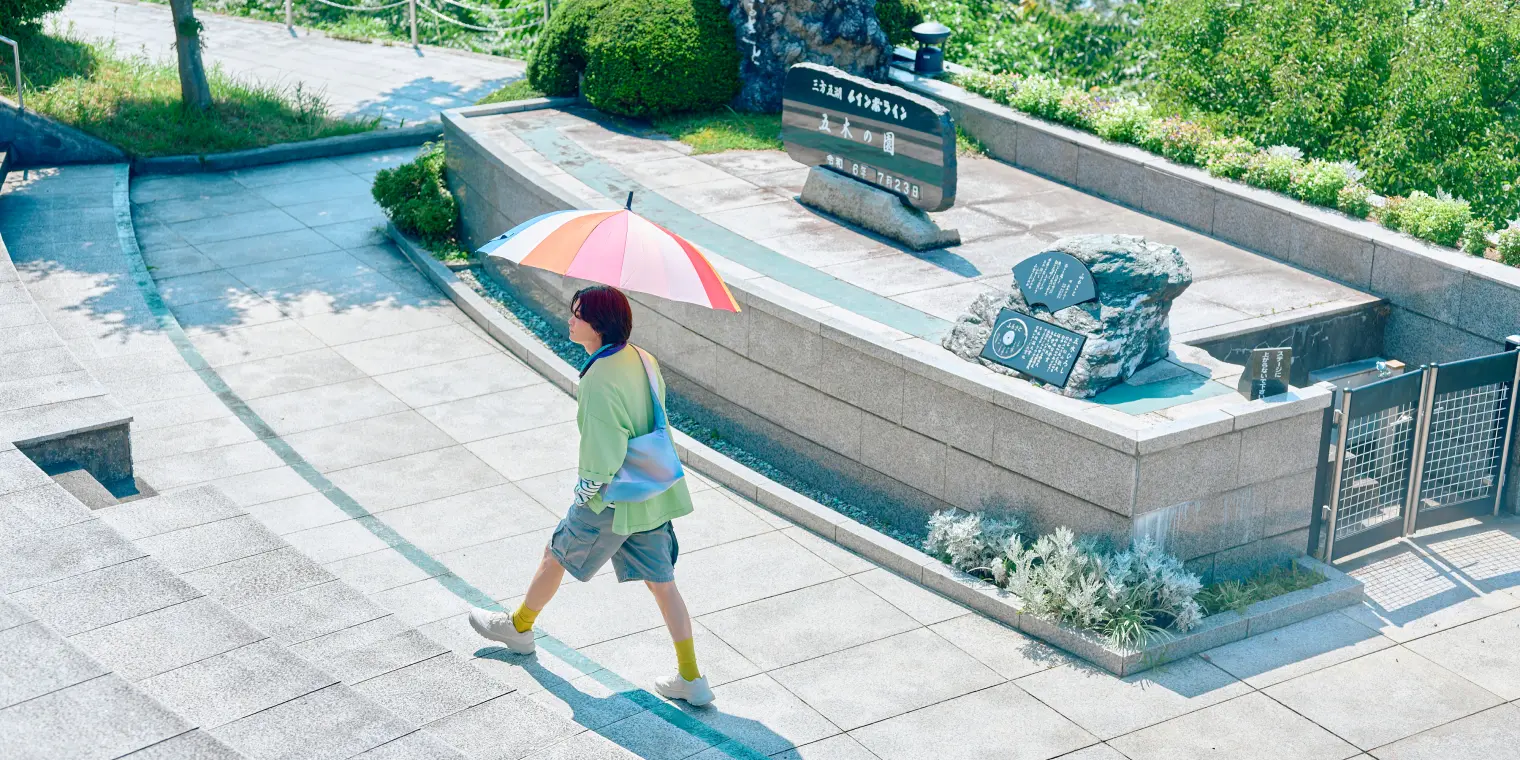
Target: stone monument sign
(1123, 330)
(876, 133)
(775, 34)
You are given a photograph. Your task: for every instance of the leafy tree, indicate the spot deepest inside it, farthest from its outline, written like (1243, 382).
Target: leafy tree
(195, 90)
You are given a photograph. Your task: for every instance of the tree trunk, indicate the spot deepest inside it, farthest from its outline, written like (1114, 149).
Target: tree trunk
(194, 89)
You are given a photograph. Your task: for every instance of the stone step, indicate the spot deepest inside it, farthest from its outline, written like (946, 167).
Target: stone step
(313, 618)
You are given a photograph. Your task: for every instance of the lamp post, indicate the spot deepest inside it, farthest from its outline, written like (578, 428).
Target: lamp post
(930, 58)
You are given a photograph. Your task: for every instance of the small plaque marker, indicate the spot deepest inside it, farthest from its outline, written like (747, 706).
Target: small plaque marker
(1034, 347)
(1267, 372)
(1054, 280)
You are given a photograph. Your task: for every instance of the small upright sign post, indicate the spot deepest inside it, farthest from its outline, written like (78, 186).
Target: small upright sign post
(1267, 372)
(882, 135)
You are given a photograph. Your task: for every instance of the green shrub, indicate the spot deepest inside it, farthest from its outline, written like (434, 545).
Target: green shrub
(1177, 139)
(415, 198)
(898, 17)
(1354, 200)
(1227, 157)
(1299, 72)
(1058, 38)
(1318, 182)
(560, 55)
(1272, 171)
(1509, 246)
(649, 58)
(1475, 236)
(1122, 120)
(15, 14)
(1440, 220)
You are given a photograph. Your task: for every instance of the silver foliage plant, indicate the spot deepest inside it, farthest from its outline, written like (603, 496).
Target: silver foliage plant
(1127, 596)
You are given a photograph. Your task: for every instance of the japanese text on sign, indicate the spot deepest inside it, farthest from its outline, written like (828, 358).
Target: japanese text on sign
(864, 100)
(1033, 346)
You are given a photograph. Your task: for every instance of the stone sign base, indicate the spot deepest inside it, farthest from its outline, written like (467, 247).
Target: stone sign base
(874, 209)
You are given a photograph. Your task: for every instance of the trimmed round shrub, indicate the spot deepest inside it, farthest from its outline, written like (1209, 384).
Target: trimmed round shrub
(650, 58)
(413, 195)
(560, 55)
(15, 14)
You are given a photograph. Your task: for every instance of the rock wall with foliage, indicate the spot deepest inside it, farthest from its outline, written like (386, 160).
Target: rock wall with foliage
(774, 34)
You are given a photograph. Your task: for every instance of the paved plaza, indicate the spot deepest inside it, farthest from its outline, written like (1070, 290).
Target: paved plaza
(398, 84)
(447, 462)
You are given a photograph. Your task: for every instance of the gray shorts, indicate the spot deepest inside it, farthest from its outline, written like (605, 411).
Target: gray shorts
(584, 541)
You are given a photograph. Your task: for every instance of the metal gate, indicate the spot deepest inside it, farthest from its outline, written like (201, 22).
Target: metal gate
(1413, 451)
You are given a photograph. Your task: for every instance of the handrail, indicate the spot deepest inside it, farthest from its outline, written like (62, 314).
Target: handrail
(16, 56)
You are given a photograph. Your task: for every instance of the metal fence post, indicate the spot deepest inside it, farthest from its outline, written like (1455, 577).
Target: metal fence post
(411, 12)
(290, 21)
(1421, 440)
(1335, 479)
(16, 56)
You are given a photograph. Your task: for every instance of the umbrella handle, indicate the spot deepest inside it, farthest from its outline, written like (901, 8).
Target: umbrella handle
(629, 205)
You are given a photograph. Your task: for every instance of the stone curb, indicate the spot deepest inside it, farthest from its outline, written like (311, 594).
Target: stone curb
(323, 147)
(1338, 591)
(1439, 284)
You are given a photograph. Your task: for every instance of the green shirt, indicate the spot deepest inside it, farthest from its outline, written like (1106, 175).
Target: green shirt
(614, 406)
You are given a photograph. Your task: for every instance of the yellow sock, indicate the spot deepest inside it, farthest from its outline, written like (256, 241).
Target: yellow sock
(686, 659)
(523, 618)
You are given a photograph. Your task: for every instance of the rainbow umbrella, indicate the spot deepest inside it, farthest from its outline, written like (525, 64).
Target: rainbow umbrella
(617, 248)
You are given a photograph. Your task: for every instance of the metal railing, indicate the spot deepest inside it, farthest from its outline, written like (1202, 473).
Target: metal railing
(16, 57)
(413, 5)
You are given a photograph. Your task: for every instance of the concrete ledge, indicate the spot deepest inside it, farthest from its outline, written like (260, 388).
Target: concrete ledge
(324, 147)
(1339, 591)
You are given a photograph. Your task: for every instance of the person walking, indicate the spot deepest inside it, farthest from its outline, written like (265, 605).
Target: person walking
(621, 397)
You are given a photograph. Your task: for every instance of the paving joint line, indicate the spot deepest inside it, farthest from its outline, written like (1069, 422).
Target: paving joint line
(127, 239)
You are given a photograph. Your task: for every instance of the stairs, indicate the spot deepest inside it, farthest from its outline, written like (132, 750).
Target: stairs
(181, 625)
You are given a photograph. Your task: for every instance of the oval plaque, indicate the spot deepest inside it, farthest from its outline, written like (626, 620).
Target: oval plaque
(876, 133)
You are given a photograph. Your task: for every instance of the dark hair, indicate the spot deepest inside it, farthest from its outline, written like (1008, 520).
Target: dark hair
(606, 309)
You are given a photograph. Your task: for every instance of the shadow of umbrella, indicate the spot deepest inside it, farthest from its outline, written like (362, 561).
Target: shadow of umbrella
(643, 723)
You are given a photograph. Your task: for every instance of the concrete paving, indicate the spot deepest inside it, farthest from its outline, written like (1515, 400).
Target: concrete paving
(348, 369)
(398, 84)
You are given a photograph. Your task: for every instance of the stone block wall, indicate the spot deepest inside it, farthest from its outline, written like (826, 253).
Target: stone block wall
(903, 427)
(38, 141)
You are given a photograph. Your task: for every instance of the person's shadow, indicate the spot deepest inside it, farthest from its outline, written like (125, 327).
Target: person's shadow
(641, 722)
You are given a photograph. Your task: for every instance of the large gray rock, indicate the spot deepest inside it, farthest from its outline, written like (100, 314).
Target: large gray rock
(774, 34)
(1126, 327)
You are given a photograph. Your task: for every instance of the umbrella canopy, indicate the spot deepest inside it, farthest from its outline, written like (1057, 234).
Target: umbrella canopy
(617, 248)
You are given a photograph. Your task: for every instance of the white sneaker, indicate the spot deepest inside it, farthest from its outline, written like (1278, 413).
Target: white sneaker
(696, 693)
(497, 626)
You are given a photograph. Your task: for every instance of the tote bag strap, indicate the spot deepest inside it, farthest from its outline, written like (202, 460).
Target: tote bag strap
(654, 392)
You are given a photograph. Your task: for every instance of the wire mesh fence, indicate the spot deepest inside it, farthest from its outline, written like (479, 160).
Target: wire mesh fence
(1466, 441)
(1376, 470)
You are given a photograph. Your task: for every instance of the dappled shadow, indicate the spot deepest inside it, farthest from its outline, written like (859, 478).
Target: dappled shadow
(422, 98)
(734, 736)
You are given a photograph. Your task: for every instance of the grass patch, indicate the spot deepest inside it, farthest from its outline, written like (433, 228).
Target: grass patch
(1238, 595)
(724, 129)
(133, 102)
(518, 90)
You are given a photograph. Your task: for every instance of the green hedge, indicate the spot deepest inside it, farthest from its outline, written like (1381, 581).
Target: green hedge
(1440, 219)
(1421, 95)
(897, 18)
(641, 58)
